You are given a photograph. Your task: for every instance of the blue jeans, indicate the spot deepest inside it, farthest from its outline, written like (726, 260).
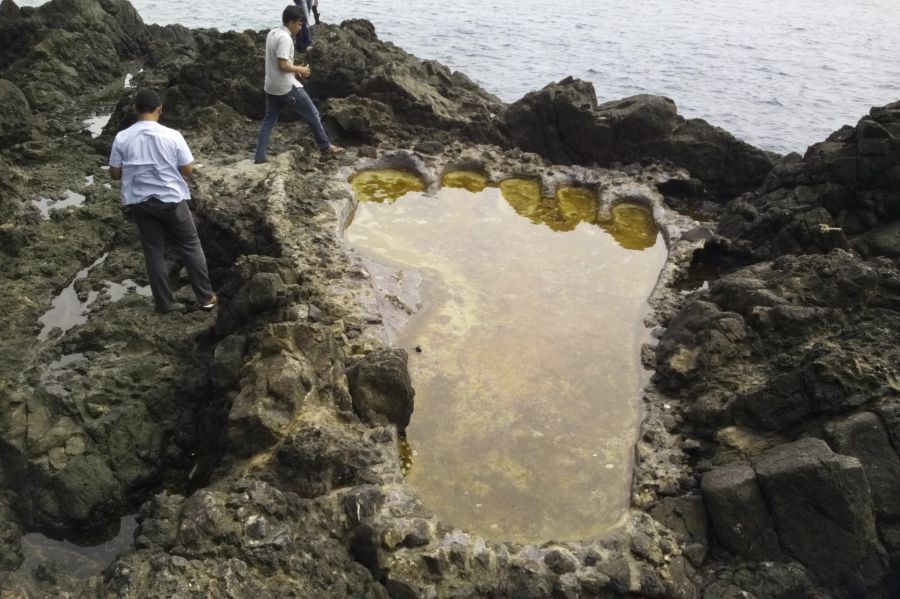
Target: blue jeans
(298, 101)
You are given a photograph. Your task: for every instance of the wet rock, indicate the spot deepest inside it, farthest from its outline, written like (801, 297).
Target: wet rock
(381, 387)
(15, 120)
(561, 561)
(739, 513)
(836, 511)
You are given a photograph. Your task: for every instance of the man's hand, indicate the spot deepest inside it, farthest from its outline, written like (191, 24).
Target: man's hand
(297, 69)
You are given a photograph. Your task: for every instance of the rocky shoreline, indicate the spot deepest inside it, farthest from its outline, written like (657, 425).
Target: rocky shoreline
(258, 445)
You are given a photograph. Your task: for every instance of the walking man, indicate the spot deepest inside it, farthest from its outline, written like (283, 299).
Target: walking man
(283, 89)
(154, 162)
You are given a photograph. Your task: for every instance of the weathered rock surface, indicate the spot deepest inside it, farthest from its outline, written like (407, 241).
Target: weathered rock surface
(844, 192)
(381, 388)
(269, 468)
(15, 121)
(564, 123)
(820, 500)
(57, 50)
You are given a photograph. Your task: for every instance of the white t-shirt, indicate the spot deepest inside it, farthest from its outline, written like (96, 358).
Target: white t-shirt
(279, 44)
(149, 155)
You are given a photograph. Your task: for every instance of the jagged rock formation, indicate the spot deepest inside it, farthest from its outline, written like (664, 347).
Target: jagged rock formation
(262, 440)
(564, 123)
(844, 193)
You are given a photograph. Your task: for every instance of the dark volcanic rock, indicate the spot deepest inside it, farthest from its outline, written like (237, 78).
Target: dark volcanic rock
(298, 362)
(845, 192)
(820, 501)
(381, 387)
(863, 437)
(390, 90)
(15, 119)
(564, 123)
(739, 512)
(777, 343)
(62, 49)
(10, 535)
(316, 459)
(242, 539)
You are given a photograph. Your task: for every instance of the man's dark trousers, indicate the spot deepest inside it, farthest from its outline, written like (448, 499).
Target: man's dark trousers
(155, 220)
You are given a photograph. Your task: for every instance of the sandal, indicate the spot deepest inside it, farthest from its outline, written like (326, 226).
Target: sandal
(333, 150)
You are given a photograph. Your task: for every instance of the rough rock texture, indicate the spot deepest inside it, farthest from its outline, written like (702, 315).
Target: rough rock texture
(564, 123)
(739, 512)
(61, 49)
(845, 192)
(260, 438)
(381, 387)
(15, 121)
(820, 500)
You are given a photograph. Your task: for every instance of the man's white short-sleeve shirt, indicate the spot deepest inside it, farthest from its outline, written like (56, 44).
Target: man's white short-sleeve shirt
(149, 155)
(279, 44)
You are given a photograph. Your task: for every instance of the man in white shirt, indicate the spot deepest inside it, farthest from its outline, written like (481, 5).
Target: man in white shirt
(283, 89)
(154, 162)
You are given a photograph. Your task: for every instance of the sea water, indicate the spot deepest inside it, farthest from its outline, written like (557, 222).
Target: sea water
(780, 74)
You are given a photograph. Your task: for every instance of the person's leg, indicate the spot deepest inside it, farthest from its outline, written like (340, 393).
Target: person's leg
(304, 38)
(180, 226)
(153, 241)
(315, 10)
(306, 110)
(273, 109)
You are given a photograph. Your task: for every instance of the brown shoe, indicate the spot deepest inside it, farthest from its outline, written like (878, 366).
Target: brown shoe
(211, 303)
(333, 150)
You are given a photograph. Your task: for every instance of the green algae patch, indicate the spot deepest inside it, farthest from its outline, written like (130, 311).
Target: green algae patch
(469, 180)
(524, 354)
(385, 185)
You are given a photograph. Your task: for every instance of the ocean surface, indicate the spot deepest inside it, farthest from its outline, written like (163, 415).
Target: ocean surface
(780, 74)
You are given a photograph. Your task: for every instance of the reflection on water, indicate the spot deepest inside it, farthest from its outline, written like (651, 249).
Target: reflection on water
(68, 199)
(528, 382)
(631, 225)
(470, 180)
(384, 185)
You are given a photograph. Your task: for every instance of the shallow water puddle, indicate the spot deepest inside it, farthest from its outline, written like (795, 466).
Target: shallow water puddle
(67, 310)
(80, 561)
(528, 381)
(96, 123)
(69, 199)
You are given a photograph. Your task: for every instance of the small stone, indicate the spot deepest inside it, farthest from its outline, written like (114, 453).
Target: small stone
(58, 458)
(75, 446)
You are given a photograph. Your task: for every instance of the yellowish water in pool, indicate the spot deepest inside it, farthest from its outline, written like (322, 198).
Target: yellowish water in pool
(528, 383)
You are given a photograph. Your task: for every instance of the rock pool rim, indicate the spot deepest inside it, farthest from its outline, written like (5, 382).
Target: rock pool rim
(613, 187)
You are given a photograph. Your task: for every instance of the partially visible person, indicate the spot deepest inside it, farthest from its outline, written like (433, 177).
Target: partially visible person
(283, 89)
(304, 36)
(154, 162)
(315, 10)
